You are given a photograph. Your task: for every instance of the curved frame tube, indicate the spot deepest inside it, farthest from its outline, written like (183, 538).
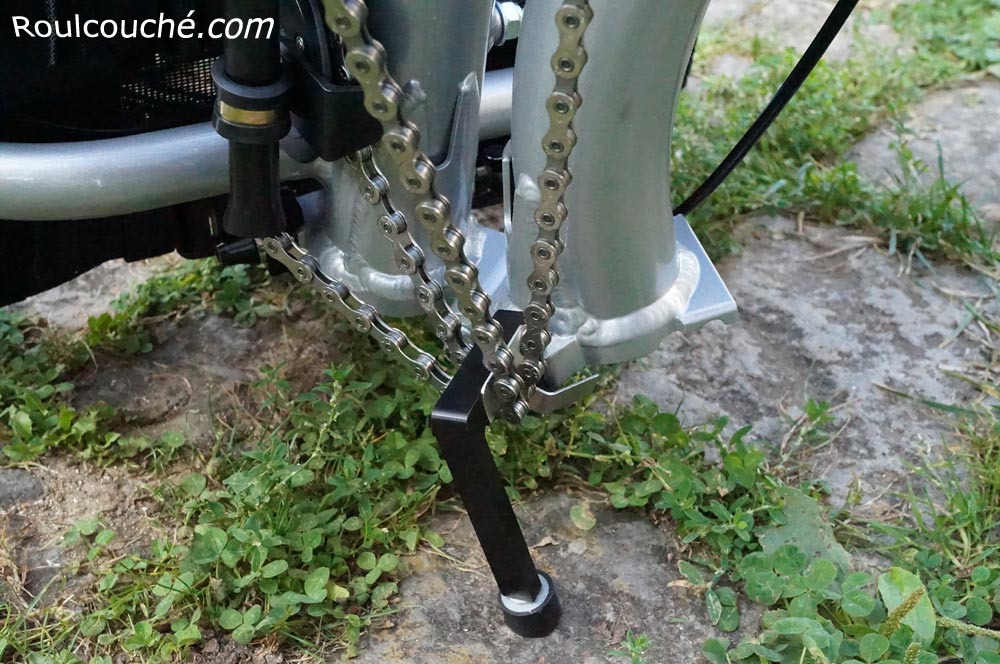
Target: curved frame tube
(118, 176)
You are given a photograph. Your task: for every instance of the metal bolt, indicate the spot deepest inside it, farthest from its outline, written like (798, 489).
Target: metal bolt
(508, 16)
(515, 412)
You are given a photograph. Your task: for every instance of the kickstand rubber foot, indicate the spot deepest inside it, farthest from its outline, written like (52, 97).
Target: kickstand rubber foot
(535, 619)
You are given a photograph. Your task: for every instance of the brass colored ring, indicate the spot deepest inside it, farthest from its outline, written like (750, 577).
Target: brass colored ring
(244, 117)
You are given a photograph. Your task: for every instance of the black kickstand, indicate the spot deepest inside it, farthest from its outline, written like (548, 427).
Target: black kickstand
(527, 596)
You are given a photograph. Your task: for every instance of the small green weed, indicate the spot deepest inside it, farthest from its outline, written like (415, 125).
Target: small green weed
(303, 533)
(633, 646)
(838, 105)
(37, 363)
(799, 167)
(33, 414)
(920, 212)
(300, 535)
(930, 215)
(968, 32)
(193, 285)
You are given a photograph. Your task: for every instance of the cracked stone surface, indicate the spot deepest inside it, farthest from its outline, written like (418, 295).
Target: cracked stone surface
(823, 316)
(18, 486)
(91, 294)
(961, 125)
(610, 579)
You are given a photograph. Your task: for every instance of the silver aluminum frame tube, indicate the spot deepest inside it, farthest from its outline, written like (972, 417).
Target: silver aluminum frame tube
(117, 176)
(437, 52)
(92, 179)
(625, 279)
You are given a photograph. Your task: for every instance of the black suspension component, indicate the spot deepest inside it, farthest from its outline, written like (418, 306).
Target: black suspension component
(252, 113)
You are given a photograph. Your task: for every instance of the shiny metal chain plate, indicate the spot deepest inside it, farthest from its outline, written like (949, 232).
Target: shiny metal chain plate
(409, 258)
(363, 317)
(567, 63)
(512, 384)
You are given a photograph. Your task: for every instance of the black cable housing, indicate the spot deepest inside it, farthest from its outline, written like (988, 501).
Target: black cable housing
(817, 49)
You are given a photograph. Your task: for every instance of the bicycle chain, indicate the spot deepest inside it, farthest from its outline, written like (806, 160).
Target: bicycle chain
(383, 98)
(364, 317)
(444, 322)
(567, 63)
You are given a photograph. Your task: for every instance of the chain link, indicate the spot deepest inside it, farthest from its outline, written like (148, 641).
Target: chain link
(568, 62)
(447, 326)
(364, 318)
(383, 97)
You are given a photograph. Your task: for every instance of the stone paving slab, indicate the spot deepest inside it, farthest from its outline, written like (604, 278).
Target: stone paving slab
(961, 124)
(823, 316)
(794, 24)
(70, 305)
(610, 579)
(18, 486)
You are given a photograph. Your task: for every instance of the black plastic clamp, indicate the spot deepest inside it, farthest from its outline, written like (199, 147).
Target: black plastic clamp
(249, 114)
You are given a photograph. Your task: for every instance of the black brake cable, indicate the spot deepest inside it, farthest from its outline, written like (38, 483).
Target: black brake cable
(834, 24)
